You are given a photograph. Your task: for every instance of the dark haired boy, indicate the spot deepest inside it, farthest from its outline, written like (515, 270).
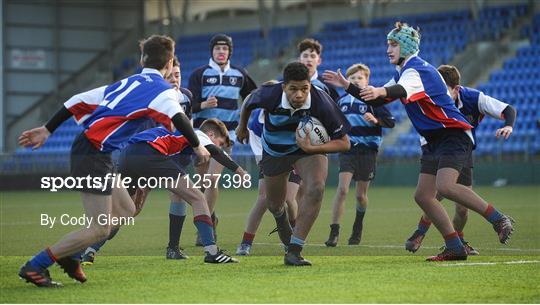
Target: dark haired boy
(285, 104)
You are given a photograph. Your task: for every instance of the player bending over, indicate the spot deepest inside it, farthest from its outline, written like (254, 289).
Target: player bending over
(359, 163)
(434, 115)
(110, 116)
(157, 153)
(474, 105)
(285, 104)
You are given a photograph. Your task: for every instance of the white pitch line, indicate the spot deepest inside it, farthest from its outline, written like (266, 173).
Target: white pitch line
(403, 247)
(489, 263)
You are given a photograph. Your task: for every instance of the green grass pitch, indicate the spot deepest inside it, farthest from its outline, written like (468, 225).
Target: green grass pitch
(132, 268)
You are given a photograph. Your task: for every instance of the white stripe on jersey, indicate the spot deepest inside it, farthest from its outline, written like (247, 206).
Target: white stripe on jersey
(120, 96)
(122, 85)
(167, 103)
(91, 97)
(491, 106)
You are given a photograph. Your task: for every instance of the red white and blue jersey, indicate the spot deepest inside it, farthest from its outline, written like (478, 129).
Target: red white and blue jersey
(166, 142)
(475, 105)
(428, 102)
(112, 114)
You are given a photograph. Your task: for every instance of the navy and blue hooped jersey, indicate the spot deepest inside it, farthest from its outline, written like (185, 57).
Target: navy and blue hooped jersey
(428, 103)
(112, 114)
(319, 82)
(281, 120)
(168, 143)
(475, 105)
(363, 134)
(255, 123)
(227, 86)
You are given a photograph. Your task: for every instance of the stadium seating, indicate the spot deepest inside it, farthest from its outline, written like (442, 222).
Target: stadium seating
(516, 83)
(193, 51)
(443, 35)
(346, 42)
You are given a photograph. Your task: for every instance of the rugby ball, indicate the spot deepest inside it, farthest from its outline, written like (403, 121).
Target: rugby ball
(314, 128)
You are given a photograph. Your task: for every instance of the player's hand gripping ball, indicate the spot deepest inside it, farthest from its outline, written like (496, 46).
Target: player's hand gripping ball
(314, 128)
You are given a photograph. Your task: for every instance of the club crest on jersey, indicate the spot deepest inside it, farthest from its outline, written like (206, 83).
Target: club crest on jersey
(362, 108)
(344, 108)
(147, 78)
(233, 80)
(212, 80)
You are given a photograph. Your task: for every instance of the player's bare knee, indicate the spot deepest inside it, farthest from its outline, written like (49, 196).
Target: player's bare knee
(362, 198)
(100, 232)
(342, 192)
(421, 197)
(274, 208)
(462, 211)
(446, 190)
(315, 191)
(130, 210)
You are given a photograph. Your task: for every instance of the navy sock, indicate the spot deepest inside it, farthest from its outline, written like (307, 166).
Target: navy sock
(492, 215)
(452, 241)
(334, 228)
(176, 223)
(205, 229)
(423, 225)
(359, 219)
(43, 259)
(177, 215)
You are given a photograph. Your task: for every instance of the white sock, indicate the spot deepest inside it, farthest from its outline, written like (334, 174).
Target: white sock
(212, 249)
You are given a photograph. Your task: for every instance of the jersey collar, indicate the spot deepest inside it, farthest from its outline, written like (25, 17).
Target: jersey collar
(286, 105)
(398, 68)
(459, 103)
(315, 76)
(150, 71)
(215, 66)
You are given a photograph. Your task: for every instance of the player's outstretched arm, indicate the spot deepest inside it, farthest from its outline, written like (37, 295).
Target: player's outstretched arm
(36, 137)
(509, 114)
(342, 144)
(224, 159)
(336, 79)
